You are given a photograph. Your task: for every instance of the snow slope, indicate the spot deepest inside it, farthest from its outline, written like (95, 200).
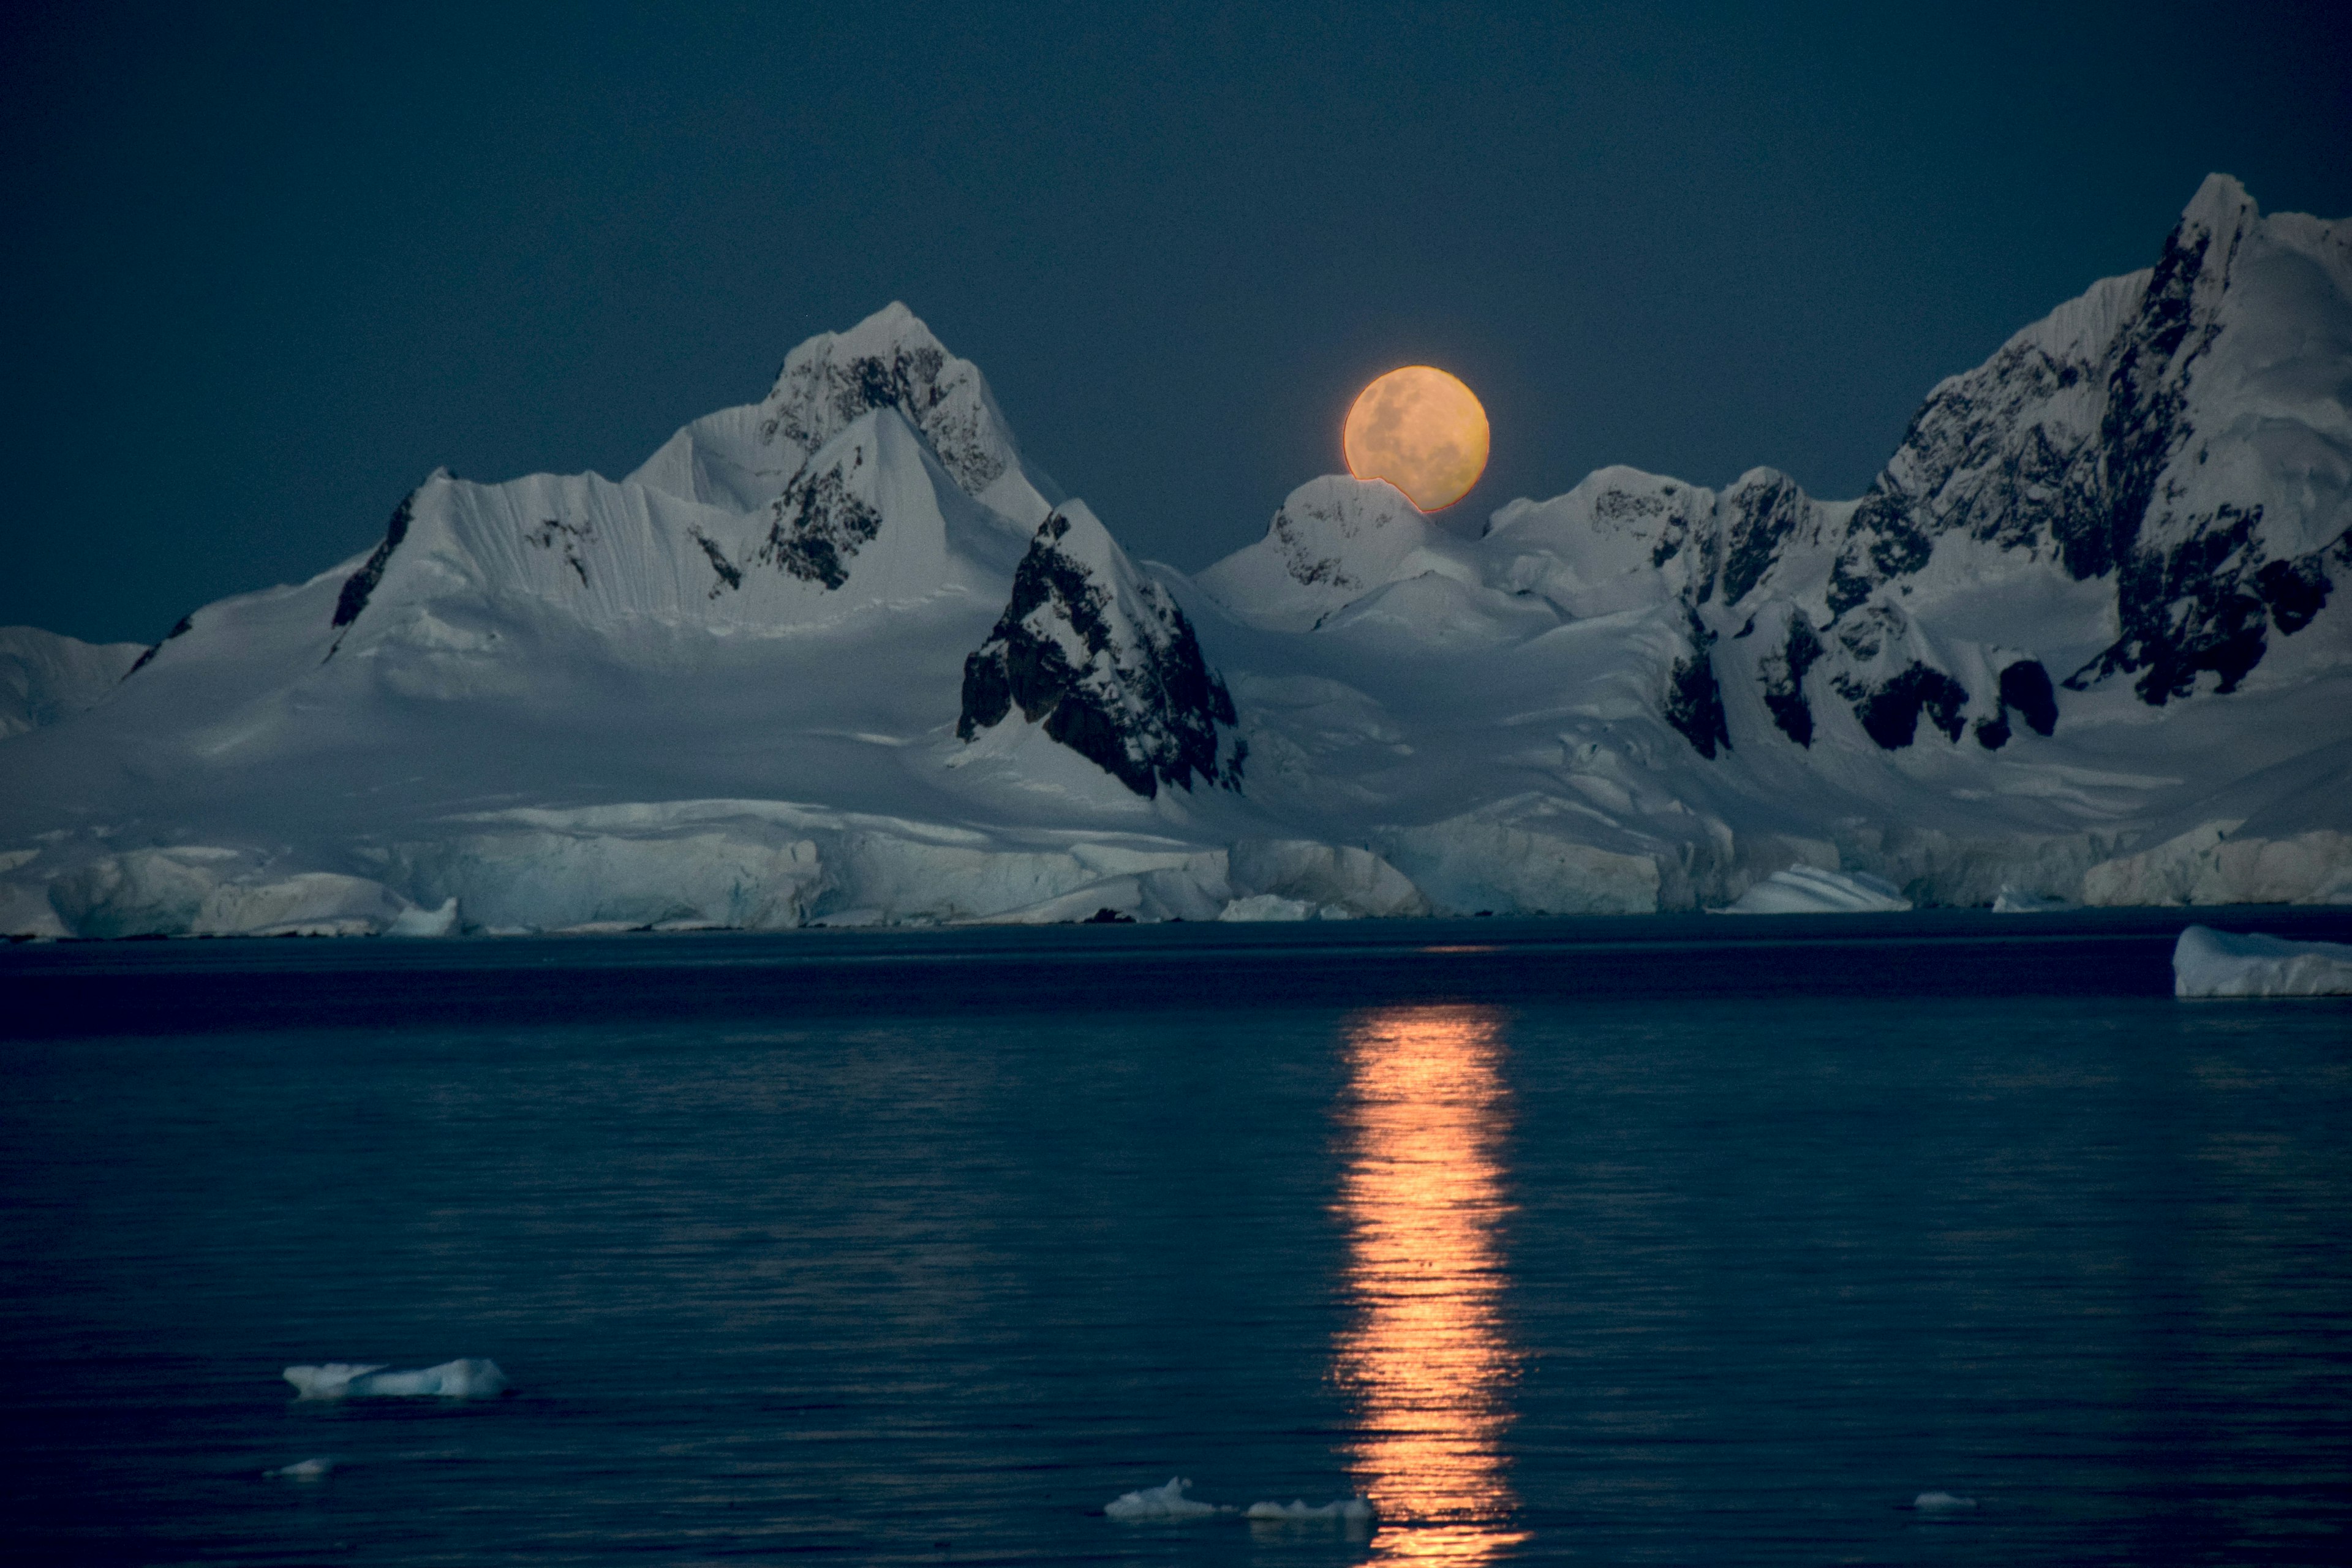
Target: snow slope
(45, 678)
(843, 656)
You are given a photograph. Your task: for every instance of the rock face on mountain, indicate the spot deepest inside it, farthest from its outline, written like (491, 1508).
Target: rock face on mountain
(1106, 661)
(841, 656)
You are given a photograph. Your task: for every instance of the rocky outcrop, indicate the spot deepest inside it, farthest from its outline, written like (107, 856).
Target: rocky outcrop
(818, 523)
(361, 583)
(1106, 661)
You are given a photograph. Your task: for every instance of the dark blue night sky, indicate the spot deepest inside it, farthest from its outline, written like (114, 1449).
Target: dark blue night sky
(265, 272)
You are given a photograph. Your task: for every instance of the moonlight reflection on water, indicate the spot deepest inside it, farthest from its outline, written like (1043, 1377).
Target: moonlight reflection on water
(1426, 1355)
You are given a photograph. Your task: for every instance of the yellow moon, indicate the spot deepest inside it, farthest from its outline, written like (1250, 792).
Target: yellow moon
(1423, 431)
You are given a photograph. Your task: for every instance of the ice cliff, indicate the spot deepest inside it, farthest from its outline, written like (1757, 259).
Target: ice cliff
(842, 655)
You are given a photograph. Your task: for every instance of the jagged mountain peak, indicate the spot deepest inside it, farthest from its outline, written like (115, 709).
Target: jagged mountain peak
(743, 458)
(2222, 205)
(1106, 660)
(891, 360)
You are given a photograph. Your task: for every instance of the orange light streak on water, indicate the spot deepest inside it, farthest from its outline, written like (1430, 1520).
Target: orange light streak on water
(1427, 1356)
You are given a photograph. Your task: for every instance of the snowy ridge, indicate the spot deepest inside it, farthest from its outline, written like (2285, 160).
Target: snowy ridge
(841, 657)
(45, 678)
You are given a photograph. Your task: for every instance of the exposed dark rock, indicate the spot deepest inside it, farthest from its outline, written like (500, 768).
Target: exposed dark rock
(1763, 517)
(2143, 428)
(1108, 917)
(2025, 687)
(1992, 733)
(817, 524)
(362, 583)
(555, 534)
(2194, 609)
(730, 575)
(2295, 591)
(1693, 700)
(1784, 680)
(819, 397)
(1124, 686)
(187, 624)
(1890, 713)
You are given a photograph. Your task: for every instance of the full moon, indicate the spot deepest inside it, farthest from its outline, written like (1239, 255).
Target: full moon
(1423, 431)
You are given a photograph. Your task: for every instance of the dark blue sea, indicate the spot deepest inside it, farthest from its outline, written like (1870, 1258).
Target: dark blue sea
(1666, 1240)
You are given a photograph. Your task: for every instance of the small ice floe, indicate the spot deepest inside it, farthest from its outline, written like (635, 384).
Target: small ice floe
(1942, 1502)
(469, 1377)
(2208, 962)
(2015, 900)
(1160, 1502)
(302, 1470)
(1810, 891)
(1343, 1511)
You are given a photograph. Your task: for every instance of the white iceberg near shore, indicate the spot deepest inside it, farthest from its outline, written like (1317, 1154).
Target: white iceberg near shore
(2208, 962)
(469, 1377)
(1810, 891)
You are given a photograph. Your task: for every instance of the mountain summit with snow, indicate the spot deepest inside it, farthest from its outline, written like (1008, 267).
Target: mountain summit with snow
(843, 656)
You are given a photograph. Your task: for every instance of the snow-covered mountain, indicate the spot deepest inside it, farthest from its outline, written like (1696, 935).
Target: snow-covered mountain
(843, 656)
(45, 678)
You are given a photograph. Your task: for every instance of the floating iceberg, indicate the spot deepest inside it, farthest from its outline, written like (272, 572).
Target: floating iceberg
(2208, 962)
(1160, 1502)
(1344, 1510)
(302, 1470)
(1942, 1502)
(1810, 891)
(469, 1377)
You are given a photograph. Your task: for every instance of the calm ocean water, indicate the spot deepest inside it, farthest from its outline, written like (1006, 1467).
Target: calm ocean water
(1624, 1241)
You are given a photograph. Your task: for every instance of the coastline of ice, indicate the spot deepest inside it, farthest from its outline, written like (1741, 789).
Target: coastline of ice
(469, 1377)
(2214, 964)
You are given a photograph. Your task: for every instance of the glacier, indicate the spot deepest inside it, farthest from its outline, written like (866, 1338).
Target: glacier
(844, 656)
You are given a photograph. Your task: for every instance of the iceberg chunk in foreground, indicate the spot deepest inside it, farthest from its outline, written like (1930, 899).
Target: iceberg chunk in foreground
(2208, 962)
(1344, 1510)
(1810, 891)
(469, 1377)
(1160, 1502)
